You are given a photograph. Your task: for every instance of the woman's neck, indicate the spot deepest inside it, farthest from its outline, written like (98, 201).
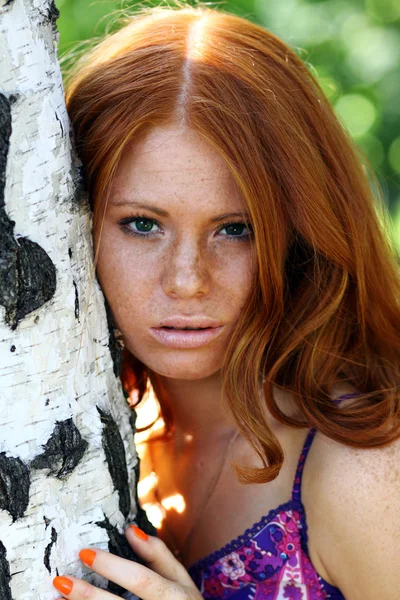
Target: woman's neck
(195, 405)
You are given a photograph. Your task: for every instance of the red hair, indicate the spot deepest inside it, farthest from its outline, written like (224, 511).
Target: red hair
(324, 307)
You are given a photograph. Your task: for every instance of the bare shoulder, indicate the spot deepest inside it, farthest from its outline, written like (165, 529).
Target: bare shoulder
(352, 499)
(348, 467)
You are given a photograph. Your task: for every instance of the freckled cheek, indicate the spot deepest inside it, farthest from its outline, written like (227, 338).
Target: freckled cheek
(124, 275)
(237, 276)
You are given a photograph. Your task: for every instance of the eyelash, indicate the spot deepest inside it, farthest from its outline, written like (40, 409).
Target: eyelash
(124, 224)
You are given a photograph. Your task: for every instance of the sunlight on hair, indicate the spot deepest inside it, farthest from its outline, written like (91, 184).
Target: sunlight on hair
(196, 43)
(154, 513)
(147, 484)
(147, 412)
(156, 508)
(177, 502)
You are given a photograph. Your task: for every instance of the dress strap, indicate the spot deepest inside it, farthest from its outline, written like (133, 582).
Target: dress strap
(296, 490)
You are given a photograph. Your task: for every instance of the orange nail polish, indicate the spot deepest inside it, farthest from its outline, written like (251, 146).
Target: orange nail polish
(87, 556)
(139, 533)
(63, 584)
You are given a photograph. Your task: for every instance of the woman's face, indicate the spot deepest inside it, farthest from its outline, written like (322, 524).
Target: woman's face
(166, 250)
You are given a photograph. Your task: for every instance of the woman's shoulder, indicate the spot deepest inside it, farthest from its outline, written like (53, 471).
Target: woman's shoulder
(352, 501)
(347, 466)
(351, 469)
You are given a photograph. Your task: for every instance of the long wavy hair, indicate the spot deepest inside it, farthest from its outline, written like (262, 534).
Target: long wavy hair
(325, 304)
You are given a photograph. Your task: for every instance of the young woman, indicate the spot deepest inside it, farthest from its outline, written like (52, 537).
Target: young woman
(228, 199)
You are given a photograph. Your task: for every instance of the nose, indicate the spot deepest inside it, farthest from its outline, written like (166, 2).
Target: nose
(186, 273)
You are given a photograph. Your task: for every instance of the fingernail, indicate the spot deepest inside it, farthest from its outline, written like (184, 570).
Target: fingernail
(87, 556)
(63, 584)
(139, 533)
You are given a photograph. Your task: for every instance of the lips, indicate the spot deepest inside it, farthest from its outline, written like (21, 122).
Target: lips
(184, 328)
(194, 321)
(181, 338)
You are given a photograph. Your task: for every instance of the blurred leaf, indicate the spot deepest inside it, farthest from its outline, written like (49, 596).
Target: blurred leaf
(394, 155)
(358, 113)
(383, 10)
(373, 150)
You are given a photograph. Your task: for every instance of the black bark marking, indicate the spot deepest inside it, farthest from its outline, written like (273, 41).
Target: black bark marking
(61, 127)
(36, 280)
(115, 455)
(76, 301)
(115, 348)
(132, 420)
(63, 450)
(80, 196)
(46, 559)
(5, 134)
(142, 519)
(114, 451)
(27, 274)
(46, 521)
(50, 15)
(8, 262)
(118, 545)
(8, 252)
(14, 486)
(5, 575)
(13, 348)
(53, 15)
(70, 252)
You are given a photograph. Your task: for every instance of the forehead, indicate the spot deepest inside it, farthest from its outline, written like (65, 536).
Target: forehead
(170, 163)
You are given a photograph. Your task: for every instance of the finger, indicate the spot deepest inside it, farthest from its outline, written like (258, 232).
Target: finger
(132, 576)
(158, 556)
(77, 589)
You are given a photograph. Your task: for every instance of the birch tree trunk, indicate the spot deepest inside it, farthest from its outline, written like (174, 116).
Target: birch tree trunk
(68, 464)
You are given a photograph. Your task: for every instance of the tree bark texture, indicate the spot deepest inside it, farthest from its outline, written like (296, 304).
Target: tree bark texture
(68, 464)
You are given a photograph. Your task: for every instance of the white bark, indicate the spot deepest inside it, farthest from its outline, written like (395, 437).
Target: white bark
(55, 368)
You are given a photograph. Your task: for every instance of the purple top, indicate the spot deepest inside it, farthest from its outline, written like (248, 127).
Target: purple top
(270, 561)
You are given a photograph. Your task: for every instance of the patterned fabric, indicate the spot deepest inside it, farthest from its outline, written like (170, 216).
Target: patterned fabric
(270, 561)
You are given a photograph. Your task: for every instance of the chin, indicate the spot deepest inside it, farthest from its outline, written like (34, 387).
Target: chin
(189, 369)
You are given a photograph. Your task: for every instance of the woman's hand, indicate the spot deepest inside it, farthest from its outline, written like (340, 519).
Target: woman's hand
(165, 579)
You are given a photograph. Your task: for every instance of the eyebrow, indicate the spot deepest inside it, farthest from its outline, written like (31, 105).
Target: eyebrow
(163, 213)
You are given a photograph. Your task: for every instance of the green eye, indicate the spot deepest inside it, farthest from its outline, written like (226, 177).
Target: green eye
(144, 225)
(238, 232)
(236, 229)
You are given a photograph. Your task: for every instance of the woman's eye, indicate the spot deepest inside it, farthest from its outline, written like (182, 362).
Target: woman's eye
(236, 230)
(142, 226)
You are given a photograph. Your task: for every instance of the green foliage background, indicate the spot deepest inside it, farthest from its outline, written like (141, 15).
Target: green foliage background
(353, 46)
